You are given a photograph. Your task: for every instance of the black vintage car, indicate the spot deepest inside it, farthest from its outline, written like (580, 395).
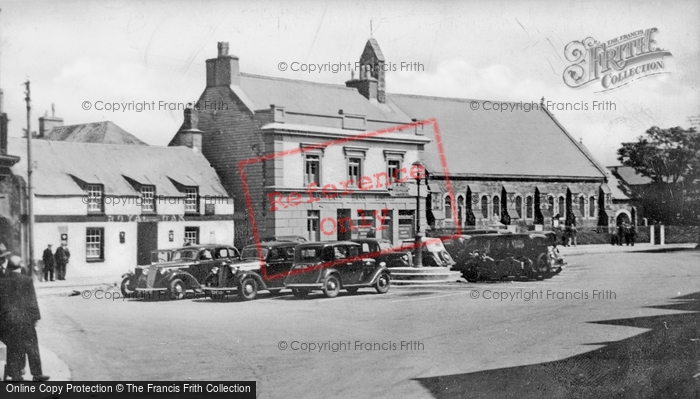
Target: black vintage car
(330, 266)
(262, 267)
(508, 256)
(383, 252)
(174, 271)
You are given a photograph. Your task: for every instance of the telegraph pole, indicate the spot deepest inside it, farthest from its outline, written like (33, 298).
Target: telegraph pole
(30, 186)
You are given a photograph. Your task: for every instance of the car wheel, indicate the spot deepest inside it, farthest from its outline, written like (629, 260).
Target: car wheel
(300, 292)
(248, 289)
(543, 265)
(331, 287)
(383, 283)
(176, 289)
(472, 274)
(126, 288)
(275, 291)
(352, 290)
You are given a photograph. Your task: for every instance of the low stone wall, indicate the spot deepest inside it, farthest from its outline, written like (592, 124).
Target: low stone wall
(682, 234)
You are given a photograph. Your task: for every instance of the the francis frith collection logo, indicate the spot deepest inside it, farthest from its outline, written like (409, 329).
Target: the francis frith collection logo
(615, 63)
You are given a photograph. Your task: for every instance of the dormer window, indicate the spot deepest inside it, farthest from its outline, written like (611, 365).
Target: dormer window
(191, 200)
(94, 196)
(148, 194)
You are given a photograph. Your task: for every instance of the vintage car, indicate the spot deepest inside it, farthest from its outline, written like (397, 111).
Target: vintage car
(434, 252)
(383, 252)
(507, 256)
(247, 278)
(174, 271)
(454, 244)
(330, 266)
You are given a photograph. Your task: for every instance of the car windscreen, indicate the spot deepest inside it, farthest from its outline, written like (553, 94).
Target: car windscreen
(252, 253)
(184, 255)
(308, 254)
(161, 256)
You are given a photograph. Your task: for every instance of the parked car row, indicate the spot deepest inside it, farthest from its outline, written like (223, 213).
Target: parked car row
(302, 267)
(219, 270)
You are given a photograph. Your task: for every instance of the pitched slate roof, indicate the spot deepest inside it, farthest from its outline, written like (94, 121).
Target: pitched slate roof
(630, 176)
(104, 132)
(59, 164)
(491, 143)
(314, 98)
(616, 188)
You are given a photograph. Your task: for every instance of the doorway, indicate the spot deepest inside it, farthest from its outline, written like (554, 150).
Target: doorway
(146, 241)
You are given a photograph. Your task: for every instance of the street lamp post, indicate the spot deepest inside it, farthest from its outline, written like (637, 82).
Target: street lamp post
(418, 238)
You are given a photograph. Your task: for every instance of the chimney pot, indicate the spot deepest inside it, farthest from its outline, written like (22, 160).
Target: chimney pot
(223, 70)
(223, 49)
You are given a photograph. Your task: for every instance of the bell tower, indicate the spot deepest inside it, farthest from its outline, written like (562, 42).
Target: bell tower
(371, 82)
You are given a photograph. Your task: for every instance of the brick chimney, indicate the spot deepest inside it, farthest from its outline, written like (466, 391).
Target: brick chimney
(223, 70)
(372, 79)
(46, 123)
(189, 135)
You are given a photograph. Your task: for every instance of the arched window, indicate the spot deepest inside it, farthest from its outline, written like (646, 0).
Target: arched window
(448, 208)
(496, 206)
(529, 207)
(591, 207)
(550, 199)
(562, 207)
(460, 209)
(582, 205)
(519, 206)
(485, 207)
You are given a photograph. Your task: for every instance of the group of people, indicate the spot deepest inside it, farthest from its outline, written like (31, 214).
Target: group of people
(625, 232)
(57, 261)
(19, 313)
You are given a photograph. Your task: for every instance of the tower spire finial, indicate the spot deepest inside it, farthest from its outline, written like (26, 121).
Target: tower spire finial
(370, 28)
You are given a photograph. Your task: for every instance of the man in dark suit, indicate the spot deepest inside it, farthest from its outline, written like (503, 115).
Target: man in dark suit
(62, 257)
(48, 263)
(19, 312)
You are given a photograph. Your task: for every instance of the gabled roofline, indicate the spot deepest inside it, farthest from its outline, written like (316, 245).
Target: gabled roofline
(602, 169)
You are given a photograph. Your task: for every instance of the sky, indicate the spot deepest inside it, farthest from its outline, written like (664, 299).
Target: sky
(129, 51)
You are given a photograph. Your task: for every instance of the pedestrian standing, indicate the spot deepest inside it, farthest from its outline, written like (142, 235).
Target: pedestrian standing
(620, 233)
(626, 232)
(633, 233)
(568, 233)
(19, 313)
(4, 255)
(574, 233)
(62, 257)
(48, 263)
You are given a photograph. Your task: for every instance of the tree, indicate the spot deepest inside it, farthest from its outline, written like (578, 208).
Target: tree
(671, 158)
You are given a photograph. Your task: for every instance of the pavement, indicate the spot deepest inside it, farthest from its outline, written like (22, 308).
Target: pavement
(615, 249)
(59, 370)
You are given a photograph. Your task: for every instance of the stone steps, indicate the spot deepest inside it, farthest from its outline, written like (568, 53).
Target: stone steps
(423, 275)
